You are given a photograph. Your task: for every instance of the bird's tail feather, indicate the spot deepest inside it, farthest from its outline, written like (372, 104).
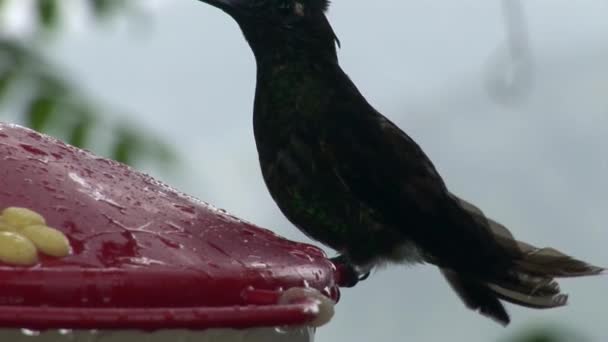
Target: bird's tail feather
(549, 262)
(477, 296)
(529, 281)
(484, 297)
(543, 262)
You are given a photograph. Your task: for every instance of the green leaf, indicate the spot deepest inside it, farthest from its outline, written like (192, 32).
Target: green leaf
(104, 8)
(81, 131)
(125, 147)
(48, 13)
(57, 106)
(2, 4)
(6, 80)
(547, 334)
(39, 112)
(163, 152)
(541, 337)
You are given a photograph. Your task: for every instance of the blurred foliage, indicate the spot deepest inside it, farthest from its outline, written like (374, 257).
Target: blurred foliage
(547, 334)
(50, 103)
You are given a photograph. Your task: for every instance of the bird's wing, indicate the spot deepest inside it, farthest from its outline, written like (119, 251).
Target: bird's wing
(390, 174)
(381, 165)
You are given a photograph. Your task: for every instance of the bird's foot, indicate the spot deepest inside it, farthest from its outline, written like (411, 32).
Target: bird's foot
(349, 274)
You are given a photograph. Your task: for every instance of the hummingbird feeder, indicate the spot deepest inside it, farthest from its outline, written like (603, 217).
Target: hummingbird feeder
(116, 254)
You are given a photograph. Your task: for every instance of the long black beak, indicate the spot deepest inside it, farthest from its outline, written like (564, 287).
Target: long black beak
(231, 7)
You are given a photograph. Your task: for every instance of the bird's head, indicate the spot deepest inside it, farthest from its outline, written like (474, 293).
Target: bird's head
(283, 26)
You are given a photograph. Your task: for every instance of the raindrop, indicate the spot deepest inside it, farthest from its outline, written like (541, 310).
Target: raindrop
(64, 331)
(259, 265)
(281, 330)
(50, 188)
(35, 135)
(68, 334)
(30, 332)
(185, 208)
(33, 150)
(248, 232)
(108, 175)
(301, 255)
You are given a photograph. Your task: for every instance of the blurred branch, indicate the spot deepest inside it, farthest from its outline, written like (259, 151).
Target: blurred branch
(509, 78)
(52, 104)
(517, 29)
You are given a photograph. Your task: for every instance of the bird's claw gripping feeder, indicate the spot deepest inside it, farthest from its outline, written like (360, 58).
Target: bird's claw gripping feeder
(91, 248)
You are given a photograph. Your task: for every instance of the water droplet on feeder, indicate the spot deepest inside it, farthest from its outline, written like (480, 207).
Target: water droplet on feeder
(30, 332)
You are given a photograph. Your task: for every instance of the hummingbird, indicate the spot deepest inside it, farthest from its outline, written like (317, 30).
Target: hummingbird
(348, 177)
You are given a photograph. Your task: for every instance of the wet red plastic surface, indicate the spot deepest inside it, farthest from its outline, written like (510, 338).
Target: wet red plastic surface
(138, 245)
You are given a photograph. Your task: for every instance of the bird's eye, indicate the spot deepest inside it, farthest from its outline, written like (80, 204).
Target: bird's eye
(285, 7)
(290, 7)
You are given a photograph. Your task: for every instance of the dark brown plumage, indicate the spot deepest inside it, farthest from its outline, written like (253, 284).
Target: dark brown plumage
(348, 177)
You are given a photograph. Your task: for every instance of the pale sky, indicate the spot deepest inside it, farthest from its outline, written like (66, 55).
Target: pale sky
(538, 165)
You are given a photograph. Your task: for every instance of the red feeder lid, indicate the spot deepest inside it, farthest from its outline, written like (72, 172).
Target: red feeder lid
(144, 256)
